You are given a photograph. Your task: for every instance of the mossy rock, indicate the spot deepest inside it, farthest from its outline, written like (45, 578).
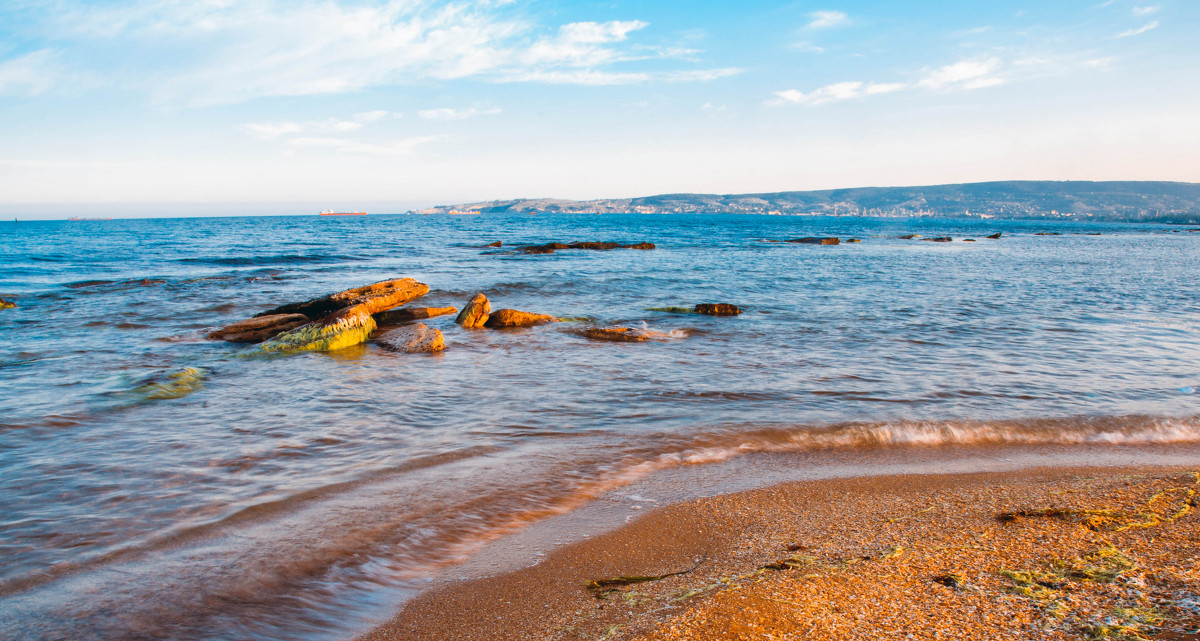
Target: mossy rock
(339, 330)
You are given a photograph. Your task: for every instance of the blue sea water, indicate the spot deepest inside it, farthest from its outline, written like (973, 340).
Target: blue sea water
(247, 498)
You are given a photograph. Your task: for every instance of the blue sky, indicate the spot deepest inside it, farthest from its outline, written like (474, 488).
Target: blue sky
(190, 106)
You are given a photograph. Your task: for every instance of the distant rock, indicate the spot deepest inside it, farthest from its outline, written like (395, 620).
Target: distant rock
(968, 240)
(939, 239)
(495, 244)
(673, 310)
(549, 248)
(909, 236)
(514, 318)
(475, 313)
(418, 338)
(1048, 233)
(853, 240)
(344, 328)
(815, 241)
(717, 309)
(994, 236)
(373, 298)
(259, 328)
(407, 314)
(7, 304)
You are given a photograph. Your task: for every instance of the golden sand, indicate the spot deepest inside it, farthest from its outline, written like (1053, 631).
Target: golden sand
(1045, 554)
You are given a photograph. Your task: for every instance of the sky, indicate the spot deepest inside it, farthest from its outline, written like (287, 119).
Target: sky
(278, 106)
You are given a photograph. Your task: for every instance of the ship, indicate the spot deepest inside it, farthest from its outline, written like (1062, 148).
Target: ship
(330, 212)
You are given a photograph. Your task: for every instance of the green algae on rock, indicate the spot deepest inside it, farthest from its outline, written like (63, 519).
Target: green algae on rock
(7, 304)
(172, 385)
(341, 329)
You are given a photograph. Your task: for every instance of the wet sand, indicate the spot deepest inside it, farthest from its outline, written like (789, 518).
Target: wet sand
(1047, 553)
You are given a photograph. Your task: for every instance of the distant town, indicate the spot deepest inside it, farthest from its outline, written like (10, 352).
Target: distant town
(1131, 201)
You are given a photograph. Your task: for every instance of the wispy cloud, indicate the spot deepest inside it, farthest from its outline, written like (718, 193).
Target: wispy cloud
(31, 74)
(1153, 24)
(1145, 10)
(447, 113)
(965, 74)
(221, 52)
(272, 130)
(826, 19)
(806, 47)
(960, 76)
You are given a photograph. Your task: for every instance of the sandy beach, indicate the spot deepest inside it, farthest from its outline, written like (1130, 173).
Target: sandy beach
(1048, 553)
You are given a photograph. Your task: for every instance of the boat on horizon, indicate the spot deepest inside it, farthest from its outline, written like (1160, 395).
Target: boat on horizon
(330, 212)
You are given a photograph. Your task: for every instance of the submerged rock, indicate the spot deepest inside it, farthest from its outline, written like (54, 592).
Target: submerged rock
(995, 235)
(372, 299)
(815, 241)
(515, 318)
(397, 316)
(171, 385)
(595, 246)
(616, 334)
(968, 240)
(413, 339)
(7, 304)
(673, 310)
(475, 313)
(642, 245)
(495, 244)
(854, 240)
(908, 236)
(258, 329)
(718, 309)
(938, 239)
(343, 328)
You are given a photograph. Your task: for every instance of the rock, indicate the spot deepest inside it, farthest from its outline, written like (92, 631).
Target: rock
(616, 334)
(853, 240)
(343, 328)
(373, 298)
(495, 244)
(7, 304)
(413, 339)
(596, 246)
(909, 236)
(549, 248)
(259, 328)
(397, 316)
(514, 318)
(815, 241)
(475, 312)
(718, 309)
(938, 239)
(1048, 233)
(995, 235)
(968, 240)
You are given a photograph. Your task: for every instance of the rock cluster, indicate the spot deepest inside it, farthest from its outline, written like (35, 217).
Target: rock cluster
(478, 313)
(815, 241)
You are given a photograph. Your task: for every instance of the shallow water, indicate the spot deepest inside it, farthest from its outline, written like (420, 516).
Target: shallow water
(292, 497)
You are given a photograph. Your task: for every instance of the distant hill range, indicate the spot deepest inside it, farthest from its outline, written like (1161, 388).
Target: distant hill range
(1145, 201)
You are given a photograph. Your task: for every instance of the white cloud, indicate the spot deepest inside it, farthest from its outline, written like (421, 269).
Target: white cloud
(1145, 10)
(343, 145)
(965, 74)
(31, 74)
(835, 92)
(221, 52)
(371, 116)
(826, 19)
(1153, 24)
(806, 47)
(447, 113)
(272, 130)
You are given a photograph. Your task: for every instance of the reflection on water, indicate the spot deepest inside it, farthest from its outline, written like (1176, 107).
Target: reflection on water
(154, 484)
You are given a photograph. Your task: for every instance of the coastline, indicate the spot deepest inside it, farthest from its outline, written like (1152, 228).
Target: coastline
(854, 556)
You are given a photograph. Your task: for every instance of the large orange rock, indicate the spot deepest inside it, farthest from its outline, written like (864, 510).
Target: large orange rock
(259, 328)
(718, 309)
(475, 313)
(397, 316)
(413, 339)
(372, 299)
(515, 318)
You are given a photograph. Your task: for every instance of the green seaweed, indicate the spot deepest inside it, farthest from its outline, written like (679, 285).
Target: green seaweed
(173, 385)
(346, 331)
(672, 310)
(601, 588)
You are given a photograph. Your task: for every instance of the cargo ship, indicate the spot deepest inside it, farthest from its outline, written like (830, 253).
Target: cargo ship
(330, 212)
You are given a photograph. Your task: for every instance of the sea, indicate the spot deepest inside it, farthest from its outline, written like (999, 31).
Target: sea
(155, 484)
